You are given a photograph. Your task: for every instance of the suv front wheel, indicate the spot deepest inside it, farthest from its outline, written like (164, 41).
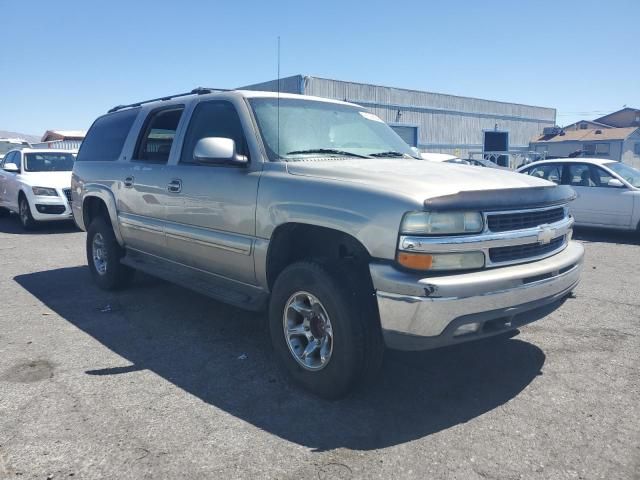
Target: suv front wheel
(324, 327)
(103, 256)
(26, 219)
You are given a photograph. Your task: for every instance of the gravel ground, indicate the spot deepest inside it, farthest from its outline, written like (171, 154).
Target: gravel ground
(160, 382)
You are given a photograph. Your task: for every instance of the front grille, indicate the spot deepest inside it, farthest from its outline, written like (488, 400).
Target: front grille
(67, 193)
(504, 222)
(520, 252)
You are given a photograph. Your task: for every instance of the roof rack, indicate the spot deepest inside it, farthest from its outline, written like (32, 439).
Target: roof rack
(195, 91)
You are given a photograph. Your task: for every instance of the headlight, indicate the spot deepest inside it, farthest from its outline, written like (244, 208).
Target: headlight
(441, 223)
(441, 261)
(44, 191)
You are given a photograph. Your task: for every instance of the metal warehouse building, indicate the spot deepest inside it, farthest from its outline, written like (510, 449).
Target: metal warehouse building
(434, 122)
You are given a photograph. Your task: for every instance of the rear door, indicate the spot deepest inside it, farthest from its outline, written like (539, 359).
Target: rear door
(211, 218)
(143, 188)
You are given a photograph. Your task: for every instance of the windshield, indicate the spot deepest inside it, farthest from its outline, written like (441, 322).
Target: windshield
(319, 129)
(630, 174)
(48, 162)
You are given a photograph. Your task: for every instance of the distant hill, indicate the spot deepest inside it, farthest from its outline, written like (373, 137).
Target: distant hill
(26, 136)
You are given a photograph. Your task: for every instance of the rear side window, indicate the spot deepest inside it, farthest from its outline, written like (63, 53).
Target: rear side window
(160, 129)
(551, 172)
(106, 137)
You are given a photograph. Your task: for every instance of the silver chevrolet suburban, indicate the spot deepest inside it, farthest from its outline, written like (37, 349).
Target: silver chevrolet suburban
(316, 211)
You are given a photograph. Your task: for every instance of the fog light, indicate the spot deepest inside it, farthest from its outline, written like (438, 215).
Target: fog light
(466, 329)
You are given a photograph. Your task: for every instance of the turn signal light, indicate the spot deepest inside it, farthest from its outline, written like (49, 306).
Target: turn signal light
(415, 261)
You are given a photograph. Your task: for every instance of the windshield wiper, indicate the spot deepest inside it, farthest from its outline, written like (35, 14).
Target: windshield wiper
(390, 153)
(330, 151)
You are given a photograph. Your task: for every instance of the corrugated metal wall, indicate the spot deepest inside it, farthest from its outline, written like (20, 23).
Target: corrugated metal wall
(446, 123)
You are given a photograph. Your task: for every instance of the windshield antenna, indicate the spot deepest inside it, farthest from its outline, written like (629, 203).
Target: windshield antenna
(278, 107)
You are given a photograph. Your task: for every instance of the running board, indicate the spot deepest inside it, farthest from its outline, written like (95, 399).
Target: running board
(239, 294)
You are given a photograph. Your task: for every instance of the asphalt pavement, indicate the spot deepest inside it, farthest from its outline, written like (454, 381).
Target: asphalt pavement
(160, 382)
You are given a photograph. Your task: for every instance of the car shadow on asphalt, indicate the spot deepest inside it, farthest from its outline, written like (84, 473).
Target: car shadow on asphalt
(221, 355)
(11, 224)
(586, 234)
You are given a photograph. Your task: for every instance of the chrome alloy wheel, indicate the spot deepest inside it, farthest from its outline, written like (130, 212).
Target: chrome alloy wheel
(99, 254)
(307, 331)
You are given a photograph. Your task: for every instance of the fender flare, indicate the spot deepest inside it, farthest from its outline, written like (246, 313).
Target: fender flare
(106, 195)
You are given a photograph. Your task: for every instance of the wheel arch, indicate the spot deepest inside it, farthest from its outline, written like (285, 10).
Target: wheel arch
(293, 241)
(99, 201)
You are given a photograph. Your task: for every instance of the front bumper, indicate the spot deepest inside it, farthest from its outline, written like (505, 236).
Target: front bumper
(46, 208)
(418, 313)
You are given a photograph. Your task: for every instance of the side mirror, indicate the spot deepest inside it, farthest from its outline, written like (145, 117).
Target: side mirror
(11, 167)
(217, 151)
(615, 183)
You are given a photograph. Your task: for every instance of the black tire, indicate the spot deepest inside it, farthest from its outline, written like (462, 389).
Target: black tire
(3, 212)
(24, 214)
(114, 275)
(357, 347)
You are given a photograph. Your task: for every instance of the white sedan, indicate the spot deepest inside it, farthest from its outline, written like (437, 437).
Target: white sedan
(608, 191)
(36, 184)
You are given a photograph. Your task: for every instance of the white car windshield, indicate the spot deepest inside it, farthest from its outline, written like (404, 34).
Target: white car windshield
(48, 162)
(294, 129)
(630, 174)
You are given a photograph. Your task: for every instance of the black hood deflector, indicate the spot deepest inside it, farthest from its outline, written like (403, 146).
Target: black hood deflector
(503, 199)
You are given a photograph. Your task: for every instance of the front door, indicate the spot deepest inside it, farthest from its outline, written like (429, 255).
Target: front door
(211, 220)
(11, 182)
(597, 203)
(4, 177)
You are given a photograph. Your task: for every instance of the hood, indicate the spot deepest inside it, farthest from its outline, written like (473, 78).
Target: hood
(419, 179)
(47, 179)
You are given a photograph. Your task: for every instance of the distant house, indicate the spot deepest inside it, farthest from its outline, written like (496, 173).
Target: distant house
(622, 144)
(585, 125)
(627, 117)
(61, 139)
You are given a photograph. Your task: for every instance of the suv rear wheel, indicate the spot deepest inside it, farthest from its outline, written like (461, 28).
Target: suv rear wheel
(324, 328)
(103, 256)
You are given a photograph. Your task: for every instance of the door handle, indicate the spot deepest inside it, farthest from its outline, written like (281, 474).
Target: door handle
(128, 182)
(175, 186)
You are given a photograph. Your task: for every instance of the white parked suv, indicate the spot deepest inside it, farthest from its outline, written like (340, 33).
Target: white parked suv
(35, 183)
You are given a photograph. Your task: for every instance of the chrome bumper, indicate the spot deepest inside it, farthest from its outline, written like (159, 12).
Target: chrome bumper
(424, 312)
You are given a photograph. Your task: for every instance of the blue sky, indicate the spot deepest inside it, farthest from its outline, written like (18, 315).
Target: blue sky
(64, 63)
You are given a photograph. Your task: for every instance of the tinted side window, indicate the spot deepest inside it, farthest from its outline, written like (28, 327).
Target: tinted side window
(160, 129)
(106, 137)
(601, 177)
(580, 175)
(551, 172)
(213, 119)
(15, 158)
(6, 159)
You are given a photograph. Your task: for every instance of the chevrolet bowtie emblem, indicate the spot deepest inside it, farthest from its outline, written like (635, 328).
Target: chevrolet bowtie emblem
(545, 235)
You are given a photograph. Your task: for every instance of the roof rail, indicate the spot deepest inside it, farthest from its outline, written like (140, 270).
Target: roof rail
(195, 91)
